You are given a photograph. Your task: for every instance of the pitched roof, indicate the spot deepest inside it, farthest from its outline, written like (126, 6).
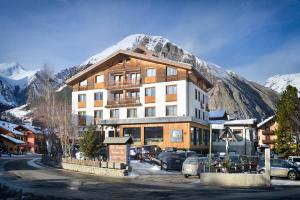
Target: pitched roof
(118, 140)
(33, 129)
(13, 140)
(139, 56)
(10, 127)
(265, 121)
(241, 122)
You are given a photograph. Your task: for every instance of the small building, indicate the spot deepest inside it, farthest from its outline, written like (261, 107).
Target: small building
(266, 132)
(14, 145)
(7, 128)
(33, 136)
(244, 132)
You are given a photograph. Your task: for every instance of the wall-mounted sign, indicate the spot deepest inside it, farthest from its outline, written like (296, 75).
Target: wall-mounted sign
(176, 136)
(118, 153)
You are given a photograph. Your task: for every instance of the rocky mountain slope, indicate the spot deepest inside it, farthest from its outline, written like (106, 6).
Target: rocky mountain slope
(238, 96)
(278, 83)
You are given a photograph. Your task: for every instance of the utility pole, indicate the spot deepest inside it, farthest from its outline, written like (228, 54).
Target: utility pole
(210, 146)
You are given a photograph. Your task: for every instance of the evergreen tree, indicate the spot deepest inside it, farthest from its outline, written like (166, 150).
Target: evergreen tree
(285, 116)
(90, 144)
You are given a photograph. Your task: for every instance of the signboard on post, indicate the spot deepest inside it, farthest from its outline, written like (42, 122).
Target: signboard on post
(176, 136)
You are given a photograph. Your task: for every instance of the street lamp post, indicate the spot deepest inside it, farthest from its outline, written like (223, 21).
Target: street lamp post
(210, 146)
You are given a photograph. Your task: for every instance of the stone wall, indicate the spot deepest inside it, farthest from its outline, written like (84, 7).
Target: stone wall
(95, 167)
(235, 179)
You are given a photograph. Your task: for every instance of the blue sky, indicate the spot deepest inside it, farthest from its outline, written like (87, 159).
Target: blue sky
(254, 38)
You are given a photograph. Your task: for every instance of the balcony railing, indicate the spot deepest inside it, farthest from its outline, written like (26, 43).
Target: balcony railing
(128, 83)
(270, 141)
(123, 102)
(268, 132)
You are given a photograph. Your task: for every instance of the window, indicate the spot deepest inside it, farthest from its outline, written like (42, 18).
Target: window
(153, 134)
(150, 112)
(118, 96)
(131, 113)
(199, 113)
(196, 92)
(99, 79)
(98, 114)
(196, 112)
(81, 114)
(199, 96)
(135, 133)
(171, 71)
(238, 134)
(134, 95)
(133, 76)
(118, 78)
(150, 72)
(150, 92)
(83, 83)
(114, 113)
(171, 110)
(171, 89)
(200, 136)
(98, 96)
(203, 115)
(81, 98)
(203, 98)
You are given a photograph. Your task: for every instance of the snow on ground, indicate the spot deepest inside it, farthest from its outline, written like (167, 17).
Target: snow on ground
(285, 182)
(144, 168)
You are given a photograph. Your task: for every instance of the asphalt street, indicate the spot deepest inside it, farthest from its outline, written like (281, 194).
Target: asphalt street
(18, 173)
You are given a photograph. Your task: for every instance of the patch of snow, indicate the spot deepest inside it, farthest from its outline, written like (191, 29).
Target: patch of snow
(265, 121)
(19, 112)
(144, 168)
(10, 127)
(33, 164)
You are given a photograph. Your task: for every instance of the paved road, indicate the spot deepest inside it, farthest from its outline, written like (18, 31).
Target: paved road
(49, 181)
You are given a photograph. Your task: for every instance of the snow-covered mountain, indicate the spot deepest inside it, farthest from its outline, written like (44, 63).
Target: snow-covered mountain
(279, 83)
(238, 96)
(14, 84)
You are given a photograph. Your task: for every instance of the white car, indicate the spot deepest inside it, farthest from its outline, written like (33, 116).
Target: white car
(294, 159)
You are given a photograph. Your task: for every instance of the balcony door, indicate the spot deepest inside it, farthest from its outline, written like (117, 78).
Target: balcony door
(118, 78)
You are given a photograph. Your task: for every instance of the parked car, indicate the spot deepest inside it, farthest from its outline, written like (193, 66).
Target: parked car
(281, 168)
(193, 166)
(134, 152)
(294, 159)
(172, 161)
(150, 151)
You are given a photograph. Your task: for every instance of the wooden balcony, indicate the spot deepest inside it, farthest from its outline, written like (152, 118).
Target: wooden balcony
(172, 78)
(268, 132)
(123, 102)
(124, 84)
(149, 99)
(99, 86)
(81, 121)
(81, 104)
(171, 97)
(150, 79)
(270, 141)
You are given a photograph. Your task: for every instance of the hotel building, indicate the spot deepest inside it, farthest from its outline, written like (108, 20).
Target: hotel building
(153, 99)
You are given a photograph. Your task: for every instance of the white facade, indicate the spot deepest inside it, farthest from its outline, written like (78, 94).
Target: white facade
(186, 102)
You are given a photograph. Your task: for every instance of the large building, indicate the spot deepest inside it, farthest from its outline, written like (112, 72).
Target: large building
(155, 100)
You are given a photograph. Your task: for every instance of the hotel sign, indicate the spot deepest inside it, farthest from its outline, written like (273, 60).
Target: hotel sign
(176, 136)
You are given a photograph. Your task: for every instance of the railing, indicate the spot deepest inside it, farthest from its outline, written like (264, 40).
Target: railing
(270, 141)
(123, 102)
(123, 84)
(268, 132)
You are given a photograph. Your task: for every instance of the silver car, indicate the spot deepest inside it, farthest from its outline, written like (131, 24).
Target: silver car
(281, 168)
(193, 166)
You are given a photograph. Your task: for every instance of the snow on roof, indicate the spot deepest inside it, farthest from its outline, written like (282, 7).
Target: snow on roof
(32, 128)
(10, 127)
(265, 121)
(216, 121)
(19, 112)
(14, 140)
(217, 113)
(241, 122)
